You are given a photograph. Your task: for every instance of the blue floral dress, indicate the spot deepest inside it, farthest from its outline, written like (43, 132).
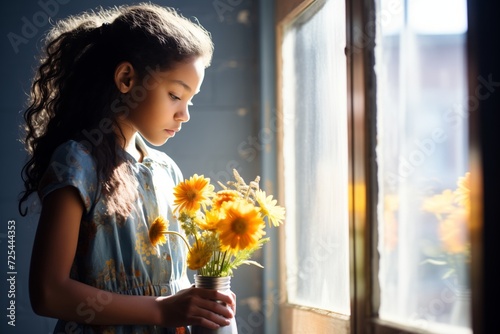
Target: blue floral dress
(116, 255)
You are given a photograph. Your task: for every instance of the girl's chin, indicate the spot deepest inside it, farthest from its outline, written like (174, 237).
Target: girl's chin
(156, 141)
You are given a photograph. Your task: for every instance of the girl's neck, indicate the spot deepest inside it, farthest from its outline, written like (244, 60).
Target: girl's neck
(130, 145)
(126, 131)
(133, 149)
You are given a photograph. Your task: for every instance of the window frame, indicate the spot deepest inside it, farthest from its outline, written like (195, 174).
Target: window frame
(484, 120)
(362, 178)
(297, 318)
(361, 97)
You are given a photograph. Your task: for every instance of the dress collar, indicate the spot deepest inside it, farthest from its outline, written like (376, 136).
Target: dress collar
(141, 145)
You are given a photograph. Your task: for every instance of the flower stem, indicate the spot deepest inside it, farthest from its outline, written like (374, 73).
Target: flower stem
(222, 263)
(181, 236)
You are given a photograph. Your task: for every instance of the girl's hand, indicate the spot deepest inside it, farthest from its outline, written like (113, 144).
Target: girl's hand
(195, 306)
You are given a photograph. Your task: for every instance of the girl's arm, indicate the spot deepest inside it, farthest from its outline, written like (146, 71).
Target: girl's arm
(54, 294)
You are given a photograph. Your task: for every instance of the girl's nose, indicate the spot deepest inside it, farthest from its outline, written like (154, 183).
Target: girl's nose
(183, 115)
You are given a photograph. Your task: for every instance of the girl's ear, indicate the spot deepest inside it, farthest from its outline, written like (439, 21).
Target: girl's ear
(124, 77)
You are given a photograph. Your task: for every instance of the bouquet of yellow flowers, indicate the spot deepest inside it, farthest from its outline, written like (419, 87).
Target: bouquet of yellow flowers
(451, 208)
(222, 229)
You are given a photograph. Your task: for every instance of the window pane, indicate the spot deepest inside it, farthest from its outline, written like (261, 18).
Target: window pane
(315, 158)
(423, 164)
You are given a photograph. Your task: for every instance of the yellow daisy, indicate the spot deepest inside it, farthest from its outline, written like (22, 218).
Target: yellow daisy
(223, 196)
(191, 194)
(157, 231)
(274, 213)
(209, 221)
(453, 232)
(198, 256)
(242, 227)
(441, 203)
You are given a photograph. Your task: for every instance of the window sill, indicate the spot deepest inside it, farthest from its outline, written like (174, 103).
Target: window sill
(388, 327)
(300, 319)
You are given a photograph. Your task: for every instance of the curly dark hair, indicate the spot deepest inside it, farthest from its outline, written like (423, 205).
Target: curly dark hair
(73, 91)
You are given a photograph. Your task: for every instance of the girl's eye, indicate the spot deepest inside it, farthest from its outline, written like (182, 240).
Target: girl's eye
(173, 97)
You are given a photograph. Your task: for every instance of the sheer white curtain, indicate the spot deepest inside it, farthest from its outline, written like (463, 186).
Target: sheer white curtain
(422, 164)
(315, 159)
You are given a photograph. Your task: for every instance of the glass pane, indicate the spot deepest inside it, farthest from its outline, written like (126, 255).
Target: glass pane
(315, 158)
(423, 164)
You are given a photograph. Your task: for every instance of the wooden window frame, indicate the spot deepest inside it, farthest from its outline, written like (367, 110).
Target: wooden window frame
(361, 97)
(297, 318)
(364, 287)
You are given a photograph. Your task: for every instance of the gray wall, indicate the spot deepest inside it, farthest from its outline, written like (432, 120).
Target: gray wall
(220, 136)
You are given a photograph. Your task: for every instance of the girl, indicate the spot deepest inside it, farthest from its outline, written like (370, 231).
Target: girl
(107, 77)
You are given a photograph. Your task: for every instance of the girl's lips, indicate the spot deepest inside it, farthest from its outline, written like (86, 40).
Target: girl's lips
(170, 132)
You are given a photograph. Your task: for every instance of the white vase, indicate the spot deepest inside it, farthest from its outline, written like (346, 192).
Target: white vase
(461, 311)
(222, 284)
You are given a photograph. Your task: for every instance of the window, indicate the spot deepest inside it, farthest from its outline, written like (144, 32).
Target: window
(422, 159)
(315, 158)
(374, 104)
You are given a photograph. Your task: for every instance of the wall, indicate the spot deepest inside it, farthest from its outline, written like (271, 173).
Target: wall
(220, 136)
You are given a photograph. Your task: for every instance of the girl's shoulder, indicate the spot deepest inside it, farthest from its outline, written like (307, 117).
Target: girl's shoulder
(73, 153)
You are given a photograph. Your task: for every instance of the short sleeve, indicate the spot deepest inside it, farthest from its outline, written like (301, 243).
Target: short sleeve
(71, 165)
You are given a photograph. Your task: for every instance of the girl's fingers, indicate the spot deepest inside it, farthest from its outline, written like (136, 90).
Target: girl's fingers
(212, 320)
(216, 295)
(216, 307)
(208, 308)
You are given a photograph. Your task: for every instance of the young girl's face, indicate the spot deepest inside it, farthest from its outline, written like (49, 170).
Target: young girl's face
(164, 99)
